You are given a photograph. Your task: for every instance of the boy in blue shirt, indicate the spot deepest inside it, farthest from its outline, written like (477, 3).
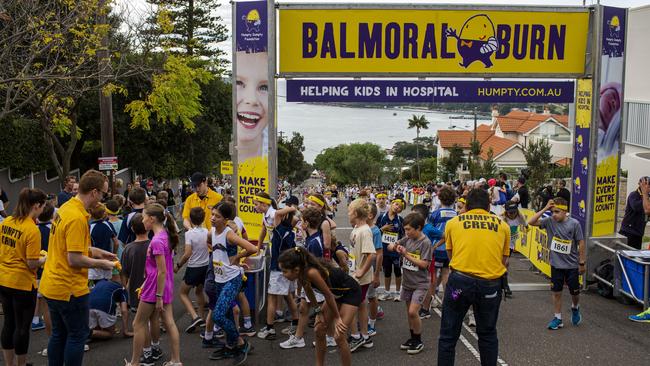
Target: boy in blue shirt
(373, 303)
(439, 220)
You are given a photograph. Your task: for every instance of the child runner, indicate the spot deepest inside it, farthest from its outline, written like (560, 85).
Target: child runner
(158, 288)
(416, 251)
(137, 198)
(228, 280)
(341, 292)
(392, 229)
(382, 203)
(197, 257)
(104, 299)
(102, 236)
(374, 309)
(279, 222)
(362, 256)
(567, 258)
(439, 220)
(44, 226)
(517, 223)
(433, 235)
(327, 225)
(20, 257)
(113, 210)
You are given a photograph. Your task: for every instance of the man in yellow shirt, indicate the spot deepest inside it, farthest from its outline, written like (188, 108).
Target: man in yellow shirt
(202, 197)
(478, 245)
(64, 283)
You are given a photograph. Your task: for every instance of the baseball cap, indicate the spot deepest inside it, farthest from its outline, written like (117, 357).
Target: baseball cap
(197, 178)
(512, 206)
(492, 182)
(292, 200)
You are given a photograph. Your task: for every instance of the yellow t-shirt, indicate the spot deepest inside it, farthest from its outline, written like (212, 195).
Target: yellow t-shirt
(211, 199)
(70, 233)
(19, 241)
(478, 241)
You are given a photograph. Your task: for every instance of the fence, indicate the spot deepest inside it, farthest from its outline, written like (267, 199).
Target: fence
(638, 123)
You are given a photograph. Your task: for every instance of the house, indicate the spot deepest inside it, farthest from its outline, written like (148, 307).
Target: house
(635, 155)
(508, 136)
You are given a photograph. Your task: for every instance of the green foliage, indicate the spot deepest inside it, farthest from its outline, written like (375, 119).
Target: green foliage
(418, 122)
(489, 167)
(538, 159)
(474, 161)
(353, 163)
(175, 95)
(563, 172)
(22, 146)
(408, 150)
(449, 165)
(428, 169)
(291, 161)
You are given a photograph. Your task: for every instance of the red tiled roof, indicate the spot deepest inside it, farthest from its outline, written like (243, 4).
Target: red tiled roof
(563, 162)
(449, 138)
(522, 122)
(484, 127)
(498, 145)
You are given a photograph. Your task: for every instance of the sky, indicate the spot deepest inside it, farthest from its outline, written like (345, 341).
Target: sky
(139, 8)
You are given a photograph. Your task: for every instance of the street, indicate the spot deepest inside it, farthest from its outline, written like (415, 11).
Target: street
(605, 336)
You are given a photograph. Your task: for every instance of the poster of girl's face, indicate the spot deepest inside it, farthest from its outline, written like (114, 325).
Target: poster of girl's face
(252, 103)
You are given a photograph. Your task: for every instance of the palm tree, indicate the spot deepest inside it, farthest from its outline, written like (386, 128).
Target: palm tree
(418, 122)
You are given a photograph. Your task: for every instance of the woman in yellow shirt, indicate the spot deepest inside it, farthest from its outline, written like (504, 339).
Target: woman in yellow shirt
(20, 247)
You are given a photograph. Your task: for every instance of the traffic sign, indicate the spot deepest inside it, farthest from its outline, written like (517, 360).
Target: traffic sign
(226, 167)
(107, 163)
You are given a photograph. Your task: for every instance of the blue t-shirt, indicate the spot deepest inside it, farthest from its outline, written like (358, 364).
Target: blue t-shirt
(283, 238)
(126, 235)
(398, 227)
(314, 244)
(432, 233)
(63, 197)
(438, 220)
(376, 237)
(102, 234)
(106, 295)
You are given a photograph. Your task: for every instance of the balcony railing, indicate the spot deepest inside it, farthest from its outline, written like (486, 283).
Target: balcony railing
(638, 123)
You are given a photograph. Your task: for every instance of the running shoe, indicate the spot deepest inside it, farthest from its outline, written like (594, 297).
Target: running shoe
(371, 331)
(195, 323)
(508, 293)
(289, 330)
(223, 353)
(86, 348)
(384, 296)
(396, 297)
(43, 353)
(576, 317)
(249, 332)
(406, 345)
(219, 333)
(330, 342)
(415, 348)
(293, 342)
(212, 343)
(355, 343)
(367, 342)
(156, 352)
(241, 353)
(380, 313)
(266, 333)
(555, 324)
(170, 363)
(38, 326)
(147, 360)
(279, 318)
(425, 314)
(471, 321)
(643, 317)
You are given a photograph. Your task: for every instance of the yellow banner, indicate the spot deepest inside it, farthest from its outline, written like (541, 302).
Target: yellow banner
(431, 41)
(583, 103)
(605, 196)
(533, 244)
(226, 168)
(253, 177)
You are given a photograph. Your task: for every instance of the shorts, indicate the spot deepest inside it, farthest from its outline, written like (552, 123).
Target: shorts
(351, 297)
(195, 276)
(392, 263)
(364, 292)
(319, 296)
(278, 284)
(372, 292)
(561, 276)
(441, 259)
(101, 319)
(413, 296)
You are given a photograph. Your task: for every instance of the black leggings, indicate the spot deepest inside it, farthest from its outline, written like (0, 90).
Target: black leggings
(18, 306)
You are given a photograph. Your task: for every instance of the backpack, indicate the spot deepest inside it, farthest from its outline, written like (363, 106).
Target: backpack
(605, 270)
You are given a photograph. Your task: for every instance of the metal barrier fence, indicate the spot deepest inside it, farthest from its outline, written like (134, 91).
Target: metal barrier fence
(638, 119)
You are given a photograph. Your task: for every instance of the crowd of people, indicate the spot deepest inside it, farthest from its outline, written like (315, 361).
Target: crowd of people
(80, 268)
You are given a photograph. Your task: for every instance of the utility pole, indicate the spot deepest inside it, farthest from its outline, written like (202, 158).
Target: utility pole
(475, 139)
(105, 99)
(281, 133)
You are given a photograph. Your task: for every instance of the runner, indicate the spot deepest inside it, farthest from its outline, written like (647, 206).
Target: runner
(341, 292)
(439, 219)
(517, 223)
(392, 229)
(327, 226)
(374, 311)
(197, 257)
(416, 251)
(20, 257)
(567, 257)
(158, 288)
(382, 203)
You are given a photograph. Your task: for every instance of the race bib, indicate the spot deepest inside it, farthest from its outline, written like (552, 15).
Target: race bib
(447, 214)
(410, 266)
(561, 246)
(389, 238)
(351, 263)
(218, 268)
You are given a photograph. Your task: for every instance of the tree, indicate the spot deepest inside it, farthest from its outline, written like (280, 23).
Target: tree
(449, 164)
(538, 159)
(353, 163)
(22, 146)
(474, 161)
(291, 161)
(409, 150)
(489, 167)
(418, 122)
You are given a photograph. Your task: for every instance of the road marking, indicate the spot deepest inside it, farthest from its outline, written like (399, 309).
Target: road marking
(467, 344)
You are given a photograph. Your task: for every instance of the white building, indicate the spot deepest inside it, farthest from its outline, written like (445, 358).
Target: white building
(636, 136)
